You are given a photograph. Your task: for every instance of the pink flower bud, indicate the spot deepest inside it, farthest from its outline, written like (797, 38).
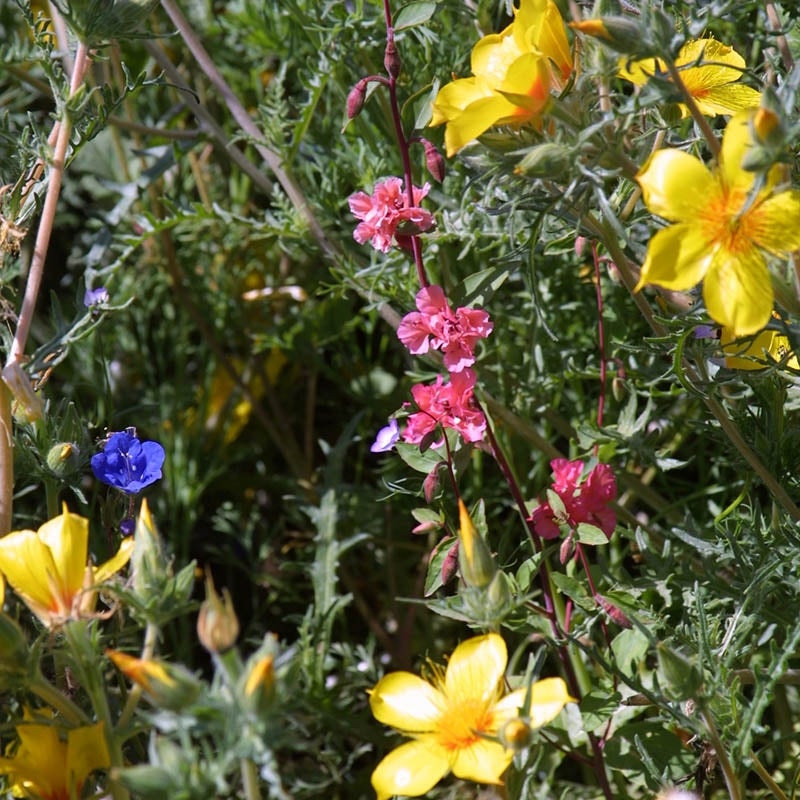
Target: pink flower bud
(356, 98)
(434, 161)
(615, 612)
(391, 60)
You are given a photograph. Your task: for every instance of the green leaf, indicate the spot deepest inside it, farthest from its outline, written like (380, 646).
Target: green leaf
(591, 534)
(629, 648)
(433, 580)
(414, 14)
(597, 707)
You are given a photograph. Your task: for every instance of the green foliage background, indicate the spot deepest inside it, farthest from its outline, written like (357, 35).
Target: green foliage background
(289, 510)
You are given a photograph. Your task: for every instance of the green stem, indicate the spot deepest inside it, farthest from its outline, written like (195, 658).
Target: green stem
(761, 770)
(250, 779)
(731, 781)
(60, 702)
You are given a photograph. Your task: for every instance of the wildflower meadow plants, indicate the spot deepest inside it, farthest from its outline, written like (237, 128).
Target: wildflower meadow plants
(399, 400)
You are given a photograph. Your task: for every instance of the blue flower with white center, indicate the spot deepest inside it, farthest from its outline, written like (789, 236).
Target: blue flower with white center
(128, 464)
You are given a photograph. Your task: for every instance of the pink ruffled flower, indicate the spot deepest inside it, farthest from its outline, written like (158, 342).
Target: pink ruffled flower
(447, 404)
(585, 501)
(387, 217)
(435, 326)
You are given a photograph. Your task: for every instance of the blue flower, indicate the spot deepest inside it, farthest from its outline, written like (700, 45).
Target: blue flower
(96, 297)
(386, 438)
(128, 464)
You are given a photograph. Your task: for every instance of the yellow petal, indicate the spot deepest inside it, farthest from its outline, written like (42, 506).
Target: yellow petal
(411, 770)
(483, 762)
(756, 353)
(455, 96)
(738, 292)
(639, 72)
(116, 562)
(677, 258)
(727, 99)
(736, 141)
(476, 668)
(406, 702)
(548, 697)
(776, 223)
(675, 185)
(40, 761)
(86, 751)
(26, 562)
(67, 536)
(475, 120)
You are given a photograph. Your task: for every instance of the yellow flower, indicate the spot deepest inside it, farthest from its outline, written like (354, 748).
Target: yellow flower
(454, 721)
(47, 767)
(513, 72)
(726, 224)
(48, 568)
(709, 70)
(765, 348)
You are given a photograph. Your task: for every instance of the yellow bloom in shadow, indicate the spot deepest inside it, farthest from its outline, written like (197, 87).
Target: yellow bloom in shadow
(48, 766)
(48, 568)
(709, 70)
(454, 721)
(512, 75)
(725, 226)
(766, 348)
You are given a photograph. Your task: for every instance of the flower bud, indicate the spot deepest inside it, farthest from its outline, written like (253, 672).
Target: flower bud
(474, 558)
(258, 689)
(356, 99)
(28, 406)
(515, 734)
(149, 567)
(615, 612)
(391, 59)
(63, 459)
(434, 161)
(217, 625)
(548, 160)
(13, 648)
(168, 686)
(619, 33)
(681, 676)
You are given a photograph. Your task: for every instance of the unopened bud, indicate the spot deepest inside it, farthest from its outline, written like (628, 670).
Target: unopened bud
(515, 734)
(149, 567)
(474, 558)
(431, 483)
(258, 691)
(434, 161)
(169, 686)
(567, 549)
(618, 388)
(548, 160)
(28, 406)
(614, 612)
(391, 59)
(13, 648)
(450, 564)
(619, 33)
(356, 98)
(498, 595)
(217, 625)
(63, 458)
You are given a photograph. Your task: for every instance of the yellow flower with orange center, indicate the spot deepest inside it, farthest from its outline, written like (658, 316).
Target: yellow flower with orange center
(726, 225)
(51, 764)
(512, 75)
(765, 348)
(454, 720)
(48, 568)
(709, 70)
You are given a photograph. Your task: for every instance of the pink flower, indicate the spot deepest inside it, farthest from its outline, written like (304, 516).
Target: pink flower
(386, 215)
(436, 327)
(447, 404)
(585, 501)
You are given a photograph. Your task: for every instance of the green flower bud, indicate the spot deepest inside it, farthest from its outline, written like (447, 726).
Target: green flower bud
(96, 22)
(63, 459)
(169, 686)
(548, 160)
(217, 624)
(474, 558)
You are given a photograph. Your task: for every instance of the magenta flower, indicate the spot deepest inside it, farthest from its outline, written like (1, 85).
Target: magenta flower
(435, 326)
(447, 404)
(585, 501)
(386, 215)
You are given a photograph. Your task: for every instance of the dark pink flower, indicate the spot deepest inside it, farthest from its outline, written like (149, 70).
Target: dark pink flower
(386, 216)
(447, 404)
(584, 501)
(435, 326)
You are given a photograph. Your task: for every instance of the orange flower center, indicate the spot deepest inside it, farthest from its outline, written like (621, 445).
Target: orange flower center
(463, 722)
(728, 221)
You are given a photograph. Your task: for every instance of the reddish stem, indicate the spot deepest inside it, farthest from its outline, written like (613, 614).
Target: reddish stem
(601, 336)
